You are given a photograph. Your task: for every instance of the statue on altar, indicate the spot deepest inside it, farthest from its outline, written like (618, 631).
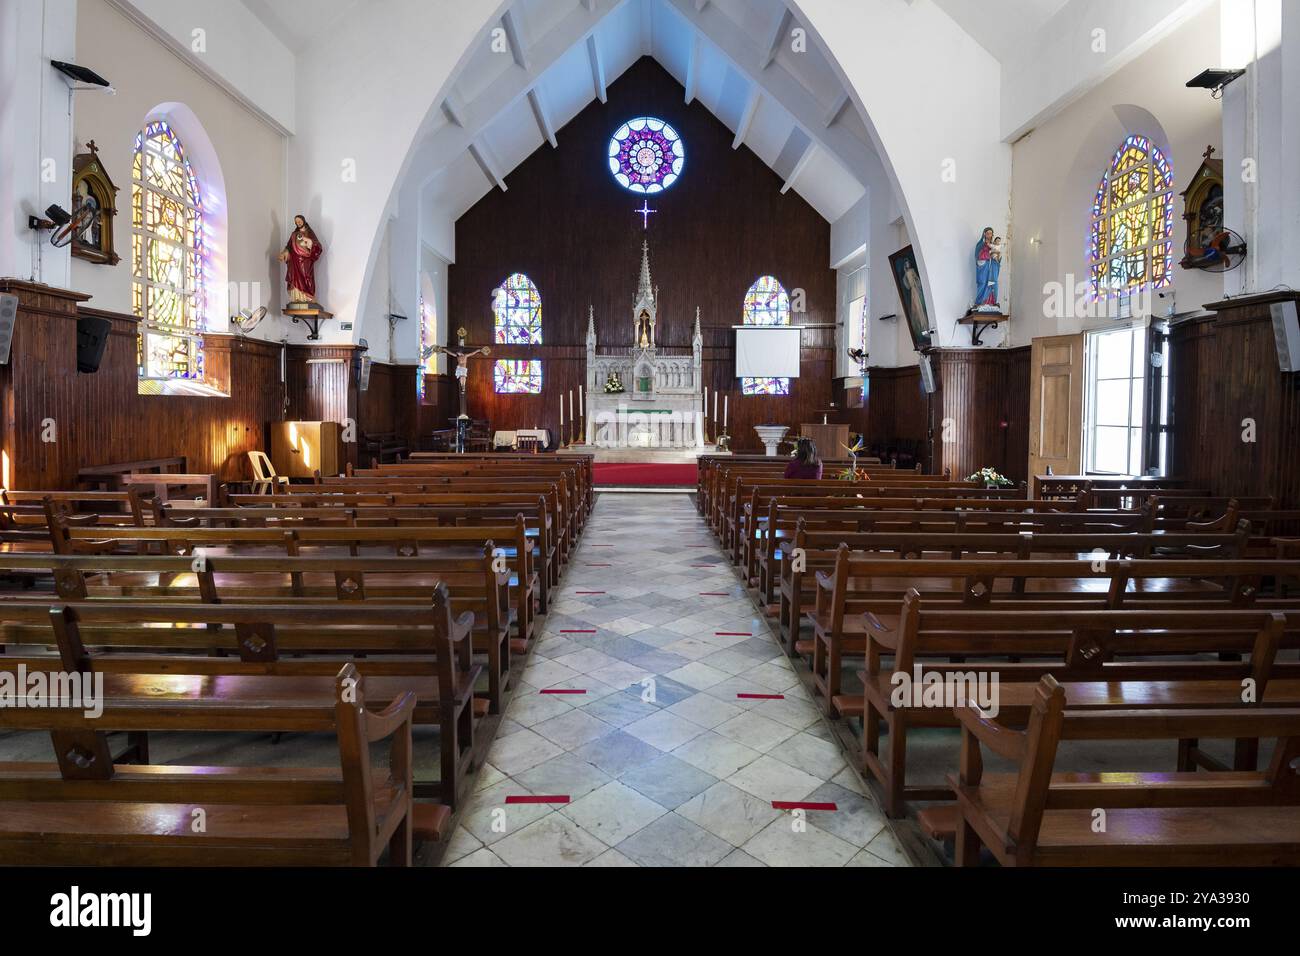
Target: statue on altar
(988, 266)
(299, 256)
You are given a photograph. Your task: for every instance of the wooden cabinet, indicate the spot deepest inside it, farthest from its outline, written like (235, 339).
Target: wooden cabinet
(829, 439)
(300, 448)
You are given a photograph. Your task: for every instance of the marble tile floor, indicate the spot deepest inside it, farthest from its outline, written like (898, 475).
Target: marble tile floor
(662, 761)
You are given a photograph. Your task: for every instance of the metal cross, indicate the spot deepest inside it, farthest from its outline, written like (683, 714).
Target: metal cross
(645, 212)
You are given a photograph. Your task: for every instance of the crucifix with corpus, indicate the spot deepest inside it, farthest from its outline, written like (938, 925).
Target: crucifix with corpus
(462, 357)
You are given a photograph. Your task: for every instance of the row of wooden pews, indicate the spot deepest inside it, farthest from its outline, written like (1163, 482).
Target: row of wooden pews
(1043, 633)
(396, 604)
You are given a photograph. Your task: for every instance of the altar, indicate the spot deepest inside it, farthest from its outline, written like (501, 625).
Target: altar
(642, 395)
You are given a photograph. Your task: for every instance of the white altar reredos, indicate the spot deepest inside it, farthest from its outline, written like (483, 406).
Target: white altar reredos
(661, 405)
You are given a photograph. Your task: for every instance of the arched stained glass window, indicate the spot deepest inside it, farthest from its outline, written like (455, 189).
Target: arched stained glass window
(428, 335)
(1129, 246)
(766, 303)
(167, 257)
(646, 155)
(517, 311)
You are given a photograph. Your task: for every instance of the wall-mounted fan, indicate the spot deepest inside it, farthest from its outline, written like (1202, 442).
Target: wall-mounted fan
(246, 321)
(860, 356)
(65, 226)
(1214, 250)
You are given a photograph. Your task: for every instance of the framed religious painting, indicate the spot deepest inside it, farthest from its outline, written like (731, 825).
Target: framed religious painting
(907, 277)
(93, 190)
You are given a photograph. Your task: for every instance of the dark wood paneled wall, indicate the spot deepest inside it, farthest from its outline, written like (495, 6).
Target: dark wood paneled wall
(389, 402)
(569, 226)
(323, 385)
(1223, 371)
(100, 418)
(983, 395)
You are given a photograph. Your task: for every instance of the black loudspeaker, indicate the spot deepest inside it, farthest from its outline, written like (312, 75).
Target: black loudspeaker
(8, 316)
(92, 337)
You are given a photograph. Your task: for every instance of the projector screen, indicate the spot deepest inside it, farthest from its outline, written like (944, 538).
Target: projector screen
(767, 351)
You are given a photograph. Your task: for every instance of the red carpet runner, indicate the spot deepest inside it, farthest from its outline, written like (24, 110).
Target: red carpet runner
(633, 473)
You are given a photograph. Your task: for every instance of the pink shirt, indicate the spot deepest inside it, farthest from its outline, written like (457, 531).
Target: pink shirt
(797, 469)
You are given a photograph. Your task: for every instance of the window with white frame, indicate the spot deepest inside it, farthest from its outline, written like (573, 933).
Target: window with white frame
(1115, 408)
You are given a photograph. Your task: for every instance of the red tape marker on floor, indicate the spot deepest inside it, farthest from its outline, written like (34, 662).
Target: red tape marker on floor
(522, 798)
(732, 634)
(560, 690)
(709, 594)
(578, 630)
(800, 805)
(588, 592)
(761, 696)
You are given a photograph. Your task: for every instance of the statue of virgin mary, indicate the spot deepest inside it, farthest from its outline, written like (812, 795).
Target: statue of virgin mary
(988, 265)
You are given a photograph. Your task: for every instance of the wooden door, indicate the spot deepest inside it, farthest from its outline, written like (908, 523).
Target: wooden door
(1056, 406)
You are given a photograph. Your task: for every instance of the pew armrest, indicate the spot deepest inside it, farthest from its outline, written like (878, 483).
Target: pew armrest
(1003, 741)
(391, 718)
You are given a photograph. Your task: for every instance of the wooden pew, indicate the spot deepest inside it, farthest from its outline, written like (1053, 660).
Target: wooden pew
(1108, 658)
(78, 810)
(821, 554)
(162, 486)
(779, 517)
(415, 647)
(474, 577)
(413, 511)
(101, 476)
(1036, 817)
(860, 597)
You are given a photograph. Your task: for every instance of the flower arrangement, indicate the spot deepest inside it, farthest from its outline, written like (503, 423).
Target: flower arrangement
(991, 478)
(613, 384)
(852, 474)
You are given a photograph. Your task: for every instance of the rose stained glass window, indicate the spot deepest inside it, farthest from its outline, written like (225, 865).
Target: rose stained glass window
(646, 155)
(1129, 243)
(766, 303)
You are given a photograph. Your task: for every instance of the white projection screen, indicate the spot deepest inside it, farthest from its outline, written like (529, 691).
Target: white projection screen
(767, 351)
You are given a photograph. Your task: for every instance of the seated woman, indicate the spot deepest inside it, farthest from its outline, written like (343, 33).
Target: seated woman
(805, 463)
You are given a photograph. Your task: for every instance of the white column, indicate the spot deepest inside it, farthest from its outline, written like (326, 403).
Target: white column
(36, 133)
(1261, 137)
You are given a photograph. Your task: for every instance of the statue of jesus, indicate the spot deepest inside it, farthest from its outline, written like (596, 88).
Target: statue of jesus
(299, 255)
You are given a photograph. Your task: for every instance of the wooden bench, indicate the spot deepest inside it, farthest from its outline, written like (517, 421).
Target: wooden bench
(1116, 658)
(1035, 817)
(384, 447)
(101, 476)
(822, 517)
(863, 595)
(477, 586)
(412, 511)
(86, 807)
(415, 647)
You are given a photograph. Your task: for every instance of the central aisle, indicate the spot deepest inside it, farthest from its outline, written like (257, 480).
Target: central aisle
(678, 772)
